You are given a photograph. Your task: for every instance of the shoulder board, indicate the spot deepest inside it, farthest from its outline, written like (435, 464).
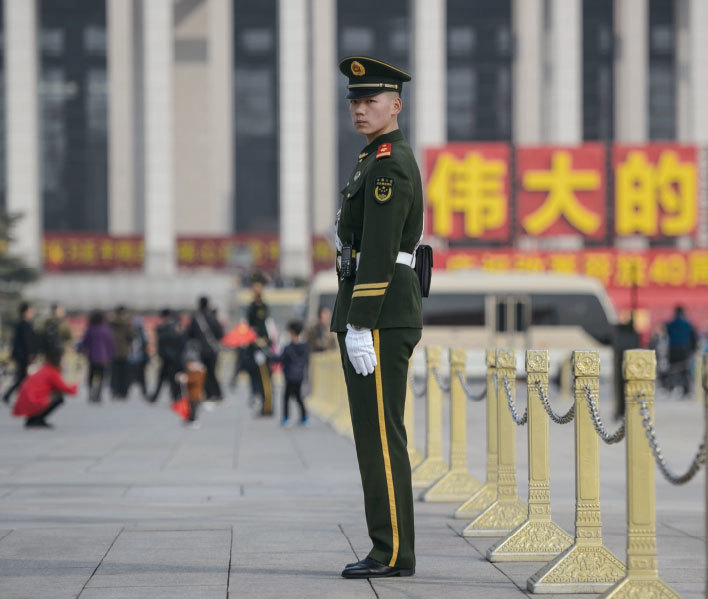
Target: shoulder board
(384, 151)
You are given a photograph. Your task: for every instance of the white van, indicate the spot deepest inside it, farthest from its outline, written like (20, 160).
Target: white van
(476, 309)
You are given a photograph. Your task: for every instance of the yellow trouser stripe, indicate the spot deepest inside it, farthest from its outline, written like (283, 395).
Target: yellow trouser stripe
(369, 293)
(370, 286)
(265, 379)
(384, 447)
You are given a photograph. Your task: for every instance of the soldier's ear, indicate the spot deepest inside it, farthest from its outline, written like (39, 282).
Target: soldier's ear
(397, 104)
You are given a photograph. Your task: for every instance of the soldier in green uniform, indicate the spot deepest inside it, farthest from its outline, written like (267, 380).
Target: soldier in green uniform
(377, 314)
(259, 350)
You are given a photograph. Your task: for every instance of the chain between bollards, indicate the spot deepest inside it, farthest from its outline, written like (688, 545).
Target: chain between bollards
(610, 439)
(420, 392)
(471, 396)
(443, 387)
(520, 421)
(698, 461)
(565, 419)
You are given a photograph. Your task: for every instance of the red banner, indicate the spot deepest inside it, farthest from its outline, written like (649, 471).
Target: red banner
(79, 252)
(562, 191)
(656, 190)
(652, 270)
(467, 191)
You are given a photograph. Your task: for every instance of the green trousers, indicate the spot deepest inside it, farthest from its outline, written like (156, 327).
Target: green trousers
(377, 404)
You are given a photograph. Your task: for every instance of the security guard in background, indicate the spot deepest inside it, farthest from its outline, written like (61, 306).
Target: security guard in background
(259, 351)
(377, 314)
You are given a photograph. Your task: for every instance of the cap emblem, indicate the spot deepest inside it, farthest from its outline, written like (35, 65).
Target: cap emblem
(358, 69)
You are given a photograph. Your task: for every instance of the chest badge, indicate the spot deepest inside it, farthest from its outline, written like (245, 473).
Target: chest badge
(384, 189)
(357, 175)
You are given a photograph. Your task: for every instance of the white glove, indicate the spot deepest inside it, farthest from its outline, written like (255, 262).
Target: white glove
(360, 347)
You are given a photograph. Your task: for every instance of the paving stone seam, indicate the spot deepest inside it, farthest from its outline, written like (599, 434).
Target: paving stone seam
(170, 455)
(83, 588)
(7, 534)
(494, 565)
(298, 450)
(228, 572)
(682, 532)
(356, 556)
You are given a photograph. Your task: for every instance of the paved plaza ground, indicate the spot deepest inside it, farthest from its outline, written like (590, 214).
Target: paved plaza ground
(121, 501)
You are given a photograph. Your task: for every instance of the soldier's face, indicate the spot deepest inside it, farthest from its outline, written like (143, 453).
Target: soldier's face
(372, 116)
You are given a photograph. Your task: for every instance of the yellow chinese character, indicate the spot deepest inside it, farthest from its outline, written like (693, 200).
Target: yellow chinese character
(87, 252)
(668, 270)
(123, 250)
(496, 262)
(698, 269)
(186, 252)
(105, 250)
(677, 194)
(459, 261)
(642, 188)
(599, 266)
(473, 186)
(631, 270)
(565, 263)
(529, 262)
(561, 182)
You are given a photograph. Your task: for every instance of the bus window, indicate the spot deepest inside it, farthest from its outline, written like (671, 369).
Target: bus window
(561, 309)
(454, 309)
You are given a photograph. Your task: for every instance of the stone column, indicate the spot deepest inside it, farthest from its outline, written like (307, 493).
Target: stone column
(22, 122)
(121, 138)
(565, 103)
(221, 115)
(429, 84)
(295, 233)
(159, 135)
(527, 19)
(631, 71)
(326, 91)
(698, 23)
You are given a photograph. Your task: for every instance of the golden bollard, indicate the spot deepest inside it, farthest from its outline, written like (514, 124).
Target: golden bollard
(507, 512)
(333, 373)
(433, 466)
(342, 418)
(539, 538)
(587, 566)
(487, 495)
(642, 579)
(414, 456)
(458, 484)
(314, 398)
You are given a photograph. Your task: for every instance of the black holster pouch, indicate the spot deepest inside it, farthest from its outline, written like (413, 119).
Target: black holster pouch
(424, 267)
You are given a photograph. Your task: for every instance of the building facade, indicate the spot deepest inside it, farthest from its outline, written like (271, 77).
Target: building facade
(168, 118)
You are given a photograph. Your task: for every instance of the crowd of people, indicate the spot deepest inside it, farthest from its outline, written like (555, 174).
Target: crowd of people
(117, 352)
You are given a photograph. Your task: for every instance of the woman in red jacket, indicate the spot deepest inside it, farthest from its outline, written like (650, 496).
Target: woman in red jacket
(41, 393)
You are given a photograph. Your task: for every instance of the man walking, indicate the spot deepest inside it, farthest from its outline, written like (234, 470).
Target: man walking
(377, 314)
(682, 343)
(24, 347)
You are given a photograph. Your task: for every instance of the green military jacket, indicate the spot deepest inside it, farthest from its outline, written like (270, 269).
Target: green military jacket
(382, 212)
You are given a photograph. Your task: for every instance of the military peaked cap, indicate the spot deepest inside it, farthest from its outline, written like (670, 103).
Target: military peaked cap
(369, 77)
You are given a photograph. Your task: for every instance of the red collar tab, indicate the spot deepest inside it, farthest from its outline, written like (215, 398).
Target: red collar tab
(384, 151)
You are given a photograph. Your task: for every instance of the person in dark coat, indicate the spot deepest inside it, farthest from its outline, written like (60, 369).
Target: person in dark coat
(294, 359)
(123, 334)
(99, 346)
(170, 344)
(206, 329)
(258, 354)
(24, 347)
(682, 343)
(41, 393)
(56, 333)
(138, 357)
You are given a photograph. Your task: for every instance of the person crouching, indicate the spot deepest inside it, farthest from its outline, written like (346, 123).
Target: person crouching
(41, 393)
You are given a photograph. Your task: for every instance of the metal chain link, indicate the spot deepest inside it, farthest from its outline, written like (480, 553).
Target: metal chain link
(569, 416)
(675, 479)
(445, 388)
(512, 405)
(420, 392)
(615, 437)
(468, 393)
